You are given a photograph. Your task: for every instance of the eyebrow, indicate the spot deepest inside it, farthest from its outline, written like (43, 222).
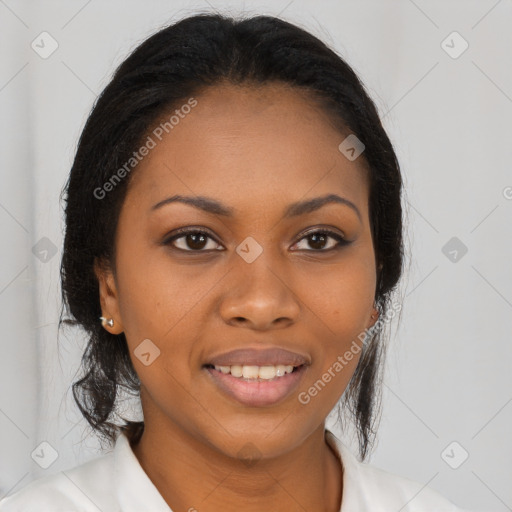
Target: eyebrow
(211, 205)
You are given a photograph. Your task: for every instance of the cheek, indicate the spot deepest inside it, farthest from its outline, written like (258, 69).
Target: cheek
(160, 320)
(342, 298)
(156, 298)
(342, 302)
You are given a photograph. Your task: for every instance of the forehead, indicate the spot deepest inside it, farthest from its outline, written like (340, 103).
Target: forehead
(262, 144)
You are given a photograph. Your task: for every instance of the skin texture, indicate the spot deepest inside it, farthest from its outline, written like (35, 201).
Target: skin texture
(256, 150)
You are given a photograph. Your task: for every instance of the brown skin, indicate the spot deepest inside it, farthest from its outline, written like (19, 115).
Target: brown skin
(256, 150)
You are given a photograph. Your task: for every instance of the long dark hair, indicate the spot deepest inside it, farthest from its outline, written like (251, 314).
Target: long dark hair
(172, 65)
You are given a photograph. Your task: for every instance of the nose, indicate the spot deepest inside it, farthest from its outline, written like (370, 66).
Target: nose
(259, 296)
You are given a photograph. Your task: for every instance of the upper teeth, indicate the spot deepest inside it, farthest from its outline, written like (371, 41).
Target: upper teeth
(254, 372)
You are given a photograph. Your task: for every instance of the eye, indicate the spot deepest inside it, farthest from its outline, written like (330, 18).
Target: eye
(196, 240)
(319, 238)
(192, 240)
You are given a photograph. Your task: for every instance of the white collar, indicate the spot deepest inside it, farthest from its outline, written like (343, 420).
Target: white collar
(353, 492)
(134, 489)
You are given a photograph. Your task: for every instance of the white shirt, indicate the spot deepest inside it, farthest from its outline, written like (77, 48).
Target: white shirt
(116, 482)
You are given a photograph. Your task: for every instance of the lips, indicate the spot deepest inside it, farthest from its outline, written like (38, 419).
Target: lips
(262, 357)
(257, 378)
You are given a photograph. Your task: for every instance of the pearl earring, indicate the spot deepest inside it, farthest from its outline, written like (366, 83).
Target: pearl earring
(109, 322)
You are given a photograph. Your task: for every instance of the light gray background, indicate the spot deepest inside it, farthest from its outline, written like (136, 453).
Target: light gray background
(448, 374)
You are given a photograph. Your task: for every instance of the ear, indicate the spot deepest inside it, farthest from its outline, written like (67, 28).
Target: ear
(374, 317)
(375, 312)
(108, 296)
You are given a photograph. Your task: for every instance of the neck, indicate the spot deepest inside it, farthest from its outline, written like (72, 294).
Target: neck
(192, 475)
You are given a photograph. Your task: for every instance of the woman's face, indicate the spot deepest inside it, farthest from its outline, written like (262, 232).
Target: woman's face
(256, 291)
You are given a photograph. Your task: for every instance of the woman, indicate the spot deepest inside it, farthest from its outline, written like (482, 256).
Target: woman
(233, 241)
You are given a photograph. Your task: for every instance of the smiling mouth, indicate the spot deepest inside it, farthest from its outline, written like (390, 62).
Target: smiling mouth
(253, 373)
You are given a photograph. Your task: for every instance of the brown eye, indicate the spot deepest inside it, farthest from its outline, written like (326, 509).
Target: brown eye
(192, 241)
(318, 240)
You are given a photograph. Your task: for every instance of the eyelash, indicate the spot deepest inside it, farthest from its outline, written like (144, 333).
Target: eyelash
(182, 232)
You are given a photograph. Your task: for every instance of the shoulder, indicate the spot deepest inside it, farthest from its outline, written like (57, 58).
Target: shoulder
(83, 488)
(367, 487)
